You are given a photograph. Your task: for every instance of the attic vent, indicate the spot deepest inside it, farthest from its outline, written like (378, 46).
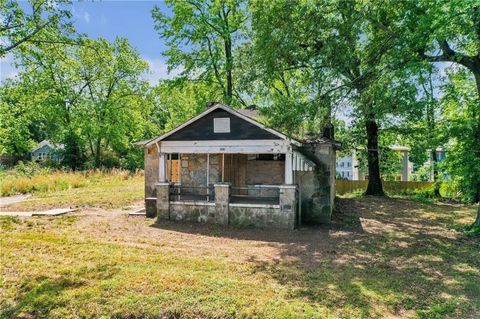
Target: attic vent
(221, 125)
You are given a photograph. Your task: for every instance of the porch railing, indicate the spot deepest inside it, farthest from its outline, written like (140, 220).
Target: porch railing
(255, 194)
(192, 193)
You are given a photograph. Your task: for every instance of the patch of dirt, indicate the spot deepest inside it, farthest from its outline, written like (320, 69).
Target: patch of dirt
(5, 201)
(390, 256)
(355, 220)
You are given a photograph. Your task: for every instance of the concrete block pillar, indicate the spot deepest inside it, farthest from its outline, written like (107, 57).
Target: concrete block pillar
(288, 203)
(222, 200)
(163, 200)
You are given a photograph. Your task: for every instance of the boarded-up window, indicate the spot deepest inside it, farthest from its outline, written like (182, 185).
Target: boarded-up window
(173, 168)
(221, 125)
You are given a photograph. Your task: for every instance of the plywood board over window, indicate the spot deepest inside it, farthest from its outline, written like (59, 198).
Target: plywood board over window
(173, 169)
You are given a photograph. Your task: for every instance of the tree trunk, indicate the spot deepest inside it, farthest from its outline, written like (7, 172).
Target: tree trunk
(97, 153)
(436, 185)
(374, 180)
(229, 66)
(476, 74)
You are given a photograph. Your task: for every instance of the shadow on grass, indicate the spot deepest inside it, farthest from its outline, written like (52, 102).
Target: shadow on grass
(40, 296)
(379, 256)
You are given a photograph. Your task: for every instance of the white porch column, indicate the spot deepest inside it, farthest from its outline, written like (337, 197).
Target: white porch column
(288, 168)
(162, 168)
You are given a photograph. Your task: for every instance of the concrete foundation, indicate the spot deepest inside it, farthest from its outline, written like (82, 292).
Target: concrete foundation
(225, 213)
(163, 201)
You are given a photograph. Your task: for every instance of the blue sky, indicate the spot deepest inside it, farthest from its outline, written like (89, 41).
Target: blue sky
(110, 19)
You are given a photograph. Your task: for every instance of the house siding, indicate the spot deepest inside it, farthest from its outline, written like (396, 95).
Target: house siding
(48, 151)
(202, 130)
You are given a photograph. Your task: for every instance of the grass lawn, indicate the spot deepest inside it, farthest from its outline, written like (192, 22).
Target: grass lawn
(381, 258)
(95, 189)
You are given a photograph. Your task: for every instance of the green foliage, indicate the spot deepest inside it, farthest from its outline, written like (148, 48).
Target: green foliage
(462, 111)
(437, 311)
(17, 113)
(303, 63)
(448, 31)
(473, 230)
(29, 168)
(182, 100)
(91, 98)
(201, 38)
(42, 22)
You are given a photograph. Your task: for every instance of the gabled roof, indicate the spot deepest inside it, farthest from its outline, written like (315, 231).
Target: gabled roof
(47, 143)
(227, 109)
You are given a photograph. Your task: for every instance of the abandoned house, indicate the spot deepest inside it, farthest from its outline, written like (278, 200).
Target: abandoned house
(223, 166)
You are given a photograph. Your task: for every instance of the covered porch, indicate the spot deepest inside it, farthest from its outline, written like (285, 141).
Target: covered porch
(253, 178)
(253, 169)
(248, 182)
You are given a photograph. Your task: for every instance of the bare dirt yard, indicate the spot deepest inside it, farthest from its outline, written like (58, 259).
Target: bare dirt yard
(380, 258)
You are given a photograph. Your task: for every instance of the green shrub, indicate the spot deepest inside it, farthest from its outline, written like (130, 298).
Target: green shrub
(473, 230)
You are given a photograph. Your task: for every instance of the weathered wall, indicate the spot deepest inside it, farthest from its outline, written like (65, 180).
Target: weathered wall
(317, 188)
(224, 213)
(192, 213)
(151, 207)
(151, 170)
(261, 217)
(238, 171)
(215, 174)
(265, 172)
(193, 169)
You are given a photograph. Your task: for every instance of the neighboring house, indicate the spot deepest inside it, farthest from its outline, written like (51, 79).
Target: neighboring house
(46, 150)
(441, 156)
(406, 168)
(345, 167)
(225, 167)
(348, 167)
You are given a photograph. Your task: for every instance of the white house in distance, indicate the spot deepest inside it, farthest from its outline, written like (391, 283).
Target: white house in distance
(348, 166)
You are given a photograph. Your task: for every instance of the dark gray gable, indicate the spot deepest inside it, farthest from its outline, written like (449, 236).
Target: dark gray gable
(202, 129)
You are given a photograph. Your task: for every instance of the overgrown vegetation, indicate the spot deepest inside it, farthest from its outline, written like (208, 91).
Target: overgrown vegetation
(57, 188)
(23, 180)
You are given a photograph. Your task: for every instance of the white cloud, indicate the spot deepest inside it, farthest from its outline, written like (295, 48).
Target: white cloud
(159, 71)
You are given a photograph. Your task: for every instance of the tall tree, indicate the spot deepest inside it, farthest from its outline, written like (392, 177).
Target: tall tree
(17, 113)
(201, 37)
(34, 24)
(93, 96)
(346, 41)
(447, 31)
(462, 121)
